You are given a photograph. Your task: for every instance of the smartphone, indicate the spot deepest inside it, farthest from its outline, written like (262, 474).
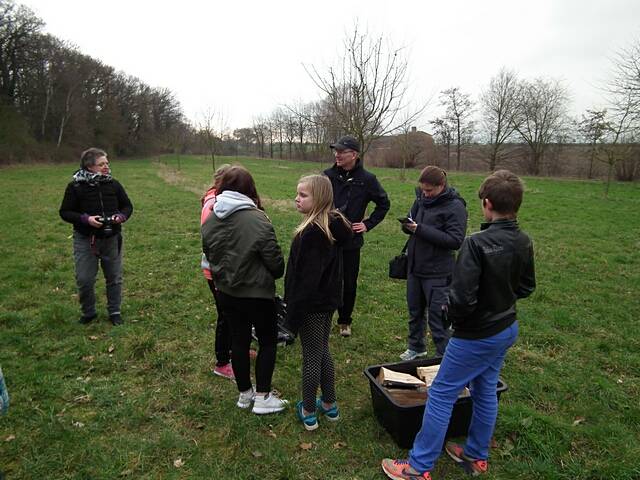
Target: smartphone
(404, 220)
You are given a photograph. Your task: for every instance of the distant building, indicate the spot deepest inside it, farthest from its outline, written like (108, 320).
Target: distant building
(416, 147)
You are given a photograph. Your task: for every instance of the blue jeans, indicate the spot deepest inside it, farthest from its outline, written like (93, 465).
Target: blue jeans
(476, 363)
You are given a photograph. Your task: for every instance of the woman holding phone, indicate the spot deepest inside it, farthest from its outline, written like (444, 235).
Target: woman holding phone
(437, 223)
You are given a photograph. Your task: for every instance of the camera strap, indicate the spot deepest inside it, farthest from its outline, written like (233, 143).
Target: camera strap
(92, 243)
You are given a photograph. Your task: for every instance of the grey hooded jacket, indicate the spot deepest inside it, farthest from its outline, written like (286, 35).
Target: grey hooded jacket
(240, 243)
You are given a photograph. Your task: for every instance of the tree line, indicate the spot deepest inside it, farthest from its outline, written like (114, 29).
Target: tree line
(54, 100)
(514, 123)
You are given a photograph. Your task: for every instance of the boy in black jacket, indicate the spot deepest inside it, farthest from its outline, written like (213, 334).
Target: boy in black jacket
(495, 268)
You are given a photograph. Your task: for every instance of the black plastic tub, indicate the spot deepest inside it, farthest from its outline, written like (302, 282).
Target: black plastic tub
(403, 422)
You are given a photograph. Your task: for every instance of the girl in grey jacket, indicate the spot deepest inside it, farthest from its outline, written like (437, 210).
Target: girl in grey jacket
(240, 243)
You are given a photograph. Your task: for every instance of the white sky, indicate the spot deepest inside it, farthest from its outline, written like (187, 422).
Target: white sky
(245, 58)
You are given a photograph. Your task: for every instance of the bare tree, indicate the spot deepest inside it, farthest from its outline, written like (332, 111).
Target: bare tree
(261, 131)
(444, 132)
(290, 130)
(301, 114)
(213, 126)
(73, 74)
(624, 87)
(244, 138)
(621, 129)
(623, 92)
(499, 103)
(271, 133)
(459, 109)
(616, 148)
(279, 123)
(541, 116)
(593, 128)
(18, 28)
(366, 91)
(411, 146)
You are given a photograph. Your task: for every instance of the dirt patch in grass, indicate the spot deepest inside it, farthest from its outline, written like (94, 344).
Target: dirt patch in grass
(174, 177)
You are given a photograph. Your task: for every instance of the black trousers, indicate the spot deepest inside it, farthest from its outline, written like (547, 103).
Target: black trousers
(242, 314)
(223, 334)
(351, 269)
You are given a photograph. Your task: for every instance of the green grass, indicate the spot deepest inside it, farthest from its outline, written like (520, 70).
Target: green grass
(96, 402)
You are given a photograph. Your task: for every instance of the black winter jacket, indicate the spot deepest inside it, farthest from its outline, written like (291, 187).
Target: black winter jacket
(82, 199)
(313, 282)
(442, 225)
(495, 268)
(352, 192)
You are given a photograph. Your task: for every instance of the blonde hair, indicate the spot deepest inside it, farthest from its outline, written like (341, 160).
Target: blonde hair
(321, 205)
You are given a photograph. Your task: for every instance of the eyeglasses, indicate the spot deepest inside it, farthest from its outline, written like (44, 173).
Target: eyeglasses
(342, 152)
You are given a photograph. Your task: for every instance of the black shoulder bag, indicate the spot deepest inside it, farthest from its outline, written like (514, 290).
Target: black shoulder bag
(398, 265)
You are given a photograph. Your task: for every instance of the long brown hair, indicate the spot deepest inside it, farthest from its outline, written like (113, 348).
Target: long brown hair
(238, 179)
(215, 181)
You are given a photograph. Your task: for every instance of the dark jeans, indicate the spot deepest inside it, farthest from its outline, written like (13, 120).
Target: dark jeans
(223, 335)
(351, 268)
(242, 314)
(107, 252)
(425, 298)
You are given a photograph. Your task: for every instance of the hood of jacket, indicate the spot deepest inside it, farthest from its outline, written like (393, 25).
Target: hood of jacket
(208, 196)
(229, 202)
(448, 194)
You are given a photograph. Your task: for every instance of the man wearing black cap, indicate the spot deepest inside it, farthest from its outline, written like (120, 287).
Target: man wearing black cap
(353, 189)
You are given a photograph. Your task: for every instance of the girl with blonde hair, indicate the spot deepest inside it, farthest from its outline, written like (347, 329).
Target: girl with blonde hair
(313, 291)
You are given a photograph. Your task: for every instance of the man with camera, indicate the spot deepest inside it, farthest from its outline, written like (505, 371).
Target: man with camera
(353, 189)
(96, 204)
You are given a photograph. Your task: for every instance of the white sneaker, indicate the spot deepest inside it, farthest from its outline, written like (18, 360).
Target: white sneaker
(245, 398)
(409, 354)
(269, 403)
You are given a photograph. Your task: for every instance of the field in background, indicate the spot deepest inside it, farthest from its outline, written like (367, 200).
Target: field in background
(97, 402)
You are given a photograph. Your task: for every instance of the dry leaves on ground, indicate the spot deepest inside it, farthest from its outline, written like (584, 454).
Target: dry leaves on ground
(578, 421)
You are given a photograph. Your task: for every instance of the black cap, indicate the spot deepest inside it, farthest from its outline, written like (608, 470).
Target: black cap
(346, 143)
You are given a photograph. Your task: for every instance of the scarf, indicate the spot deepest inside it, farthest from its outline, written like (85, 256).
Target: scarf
(85, 176)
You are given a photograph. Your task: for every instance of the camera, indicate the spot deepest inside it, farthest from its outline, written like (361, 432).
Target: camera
(107, 224)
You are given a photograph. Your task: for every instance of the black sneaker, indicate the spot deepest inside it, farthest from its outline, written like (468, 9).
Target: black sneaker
(116, 319)
(87, 319)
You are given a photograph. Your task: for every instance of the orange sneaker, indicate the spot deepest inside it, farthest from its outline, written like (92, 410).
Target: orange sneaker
(471, 466)
(401, 470)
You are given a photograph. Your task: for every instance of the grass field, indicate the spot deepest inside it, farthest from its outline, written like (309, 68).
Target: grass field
(139, 401)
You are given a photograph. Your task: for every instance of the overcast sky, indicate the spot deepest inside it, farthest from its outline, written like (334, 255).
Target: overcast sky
(245, 58)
